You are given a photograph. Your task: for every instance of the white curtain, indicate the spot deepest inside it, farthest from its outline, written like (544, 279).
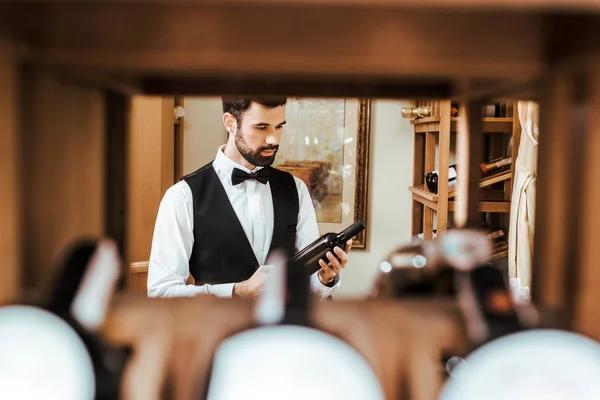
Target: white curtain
(522, 213)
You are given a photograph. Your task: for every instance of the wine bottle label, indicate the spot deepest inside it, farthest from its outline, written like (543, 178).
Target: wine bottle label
(495, 164)
(452, 173)
(503, 162)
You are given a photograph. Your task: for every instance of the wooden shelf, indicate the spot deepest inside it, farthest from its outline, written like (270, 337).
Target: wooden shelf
(432, 150)
(421, 190)
(490, 125)
(500, 250)
(488, 206)
(138, 267)
(488, 181)
(484, 206)
(424, 193)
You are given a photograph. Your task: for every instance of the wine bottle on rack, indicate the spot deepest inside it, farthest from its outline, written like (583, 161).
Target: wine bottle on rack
(416, 112)
(431, 179)
(454, 109)
(495, 165)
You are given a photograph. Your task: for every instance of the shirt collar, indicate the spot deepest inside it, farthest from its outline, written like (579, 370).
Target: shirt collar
(225, 165)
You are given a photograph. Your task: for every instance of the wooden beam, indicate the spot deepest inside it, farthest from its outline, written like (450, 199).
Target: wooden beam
(297, 84)
(432, 5)
(191, 38)
(418, 179)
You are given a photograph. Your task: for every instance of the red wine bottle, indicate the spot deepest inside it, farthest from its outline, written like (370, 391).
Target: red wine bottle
(317, 250)
(431, 179)
(495, 165)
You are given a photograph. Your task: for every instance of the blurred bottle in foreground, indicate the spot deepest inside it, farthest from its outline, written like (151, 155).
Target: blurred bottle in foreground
(283, 356)
(52, 350)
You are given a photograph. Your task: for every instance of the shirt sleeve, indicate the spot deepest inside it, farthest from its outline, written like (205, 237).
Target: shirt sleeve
(307, 232)
(172, 242)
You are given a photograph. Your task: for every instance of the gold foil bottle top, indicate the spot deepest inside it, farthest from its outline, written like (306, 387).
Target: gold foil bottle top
(416, 112)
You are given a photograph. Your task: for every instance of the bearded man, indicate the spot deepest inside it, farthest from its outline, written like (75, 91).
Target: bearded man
(220, 223)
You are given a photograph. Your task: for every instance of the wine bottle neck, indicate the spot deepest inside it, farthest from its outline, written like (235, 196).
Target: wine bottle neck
(351, 231)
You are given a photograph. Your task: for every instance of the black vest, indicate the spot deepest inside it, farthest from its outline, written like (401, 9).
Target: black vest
(221, 251)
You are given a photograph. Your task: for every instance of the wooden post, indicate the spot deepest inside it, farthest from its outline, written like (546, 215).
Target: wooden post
(587, 300)
(418, 179)
(444, 165)
(468, 157)
(553, 203)
(429, 166)
(151, 162)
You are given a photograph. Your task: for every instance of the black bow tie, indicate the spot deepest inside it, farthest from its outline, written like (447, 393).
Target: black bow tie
(238, 176)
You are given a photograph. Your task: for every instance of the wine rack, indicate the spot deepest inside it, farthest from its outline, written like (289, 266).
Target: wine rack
(432, 151)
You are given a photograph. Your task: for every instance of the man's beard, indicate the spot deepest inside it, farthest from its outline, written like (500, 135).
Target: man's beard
(253, 156)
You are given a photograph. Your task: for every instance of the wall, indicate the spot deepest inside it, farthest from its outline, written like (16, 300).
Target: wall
(391, 161)
(203, 131)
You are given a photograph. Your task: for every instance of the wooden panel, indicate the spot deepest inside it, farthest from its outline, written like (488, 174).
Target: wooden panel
(587, 302)
(150, 169)
(553, 204)
(9, 177)
(63, 171)
(192, 38)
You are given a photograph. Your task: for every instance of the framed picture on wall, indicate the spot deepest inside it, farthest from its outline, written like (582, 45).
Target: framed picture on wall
(326, 144)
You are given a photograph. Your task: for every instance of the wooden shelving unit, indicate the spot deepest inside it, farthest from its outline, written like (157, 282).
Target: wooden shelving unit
(432, 152)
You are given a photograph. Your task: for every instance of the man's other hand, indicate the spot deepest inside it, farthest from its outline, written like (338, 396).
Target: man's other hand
(253, 286)
(328, 271)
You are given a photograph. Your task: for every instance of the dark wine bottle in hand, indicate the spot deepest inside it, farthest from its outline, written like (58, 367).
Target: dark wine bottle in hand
(317, 250)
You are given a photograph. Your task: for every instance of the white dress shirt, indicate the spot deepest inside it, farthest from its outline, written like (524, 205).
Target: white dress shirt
(173, 239)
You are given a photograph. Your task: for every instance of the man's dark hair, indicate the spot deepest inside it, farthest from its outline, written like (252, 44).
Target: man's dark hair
(236, 106)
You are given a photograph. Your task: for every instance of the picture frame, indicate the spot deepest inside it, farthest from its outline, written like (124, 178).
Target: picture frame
(326, 144)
